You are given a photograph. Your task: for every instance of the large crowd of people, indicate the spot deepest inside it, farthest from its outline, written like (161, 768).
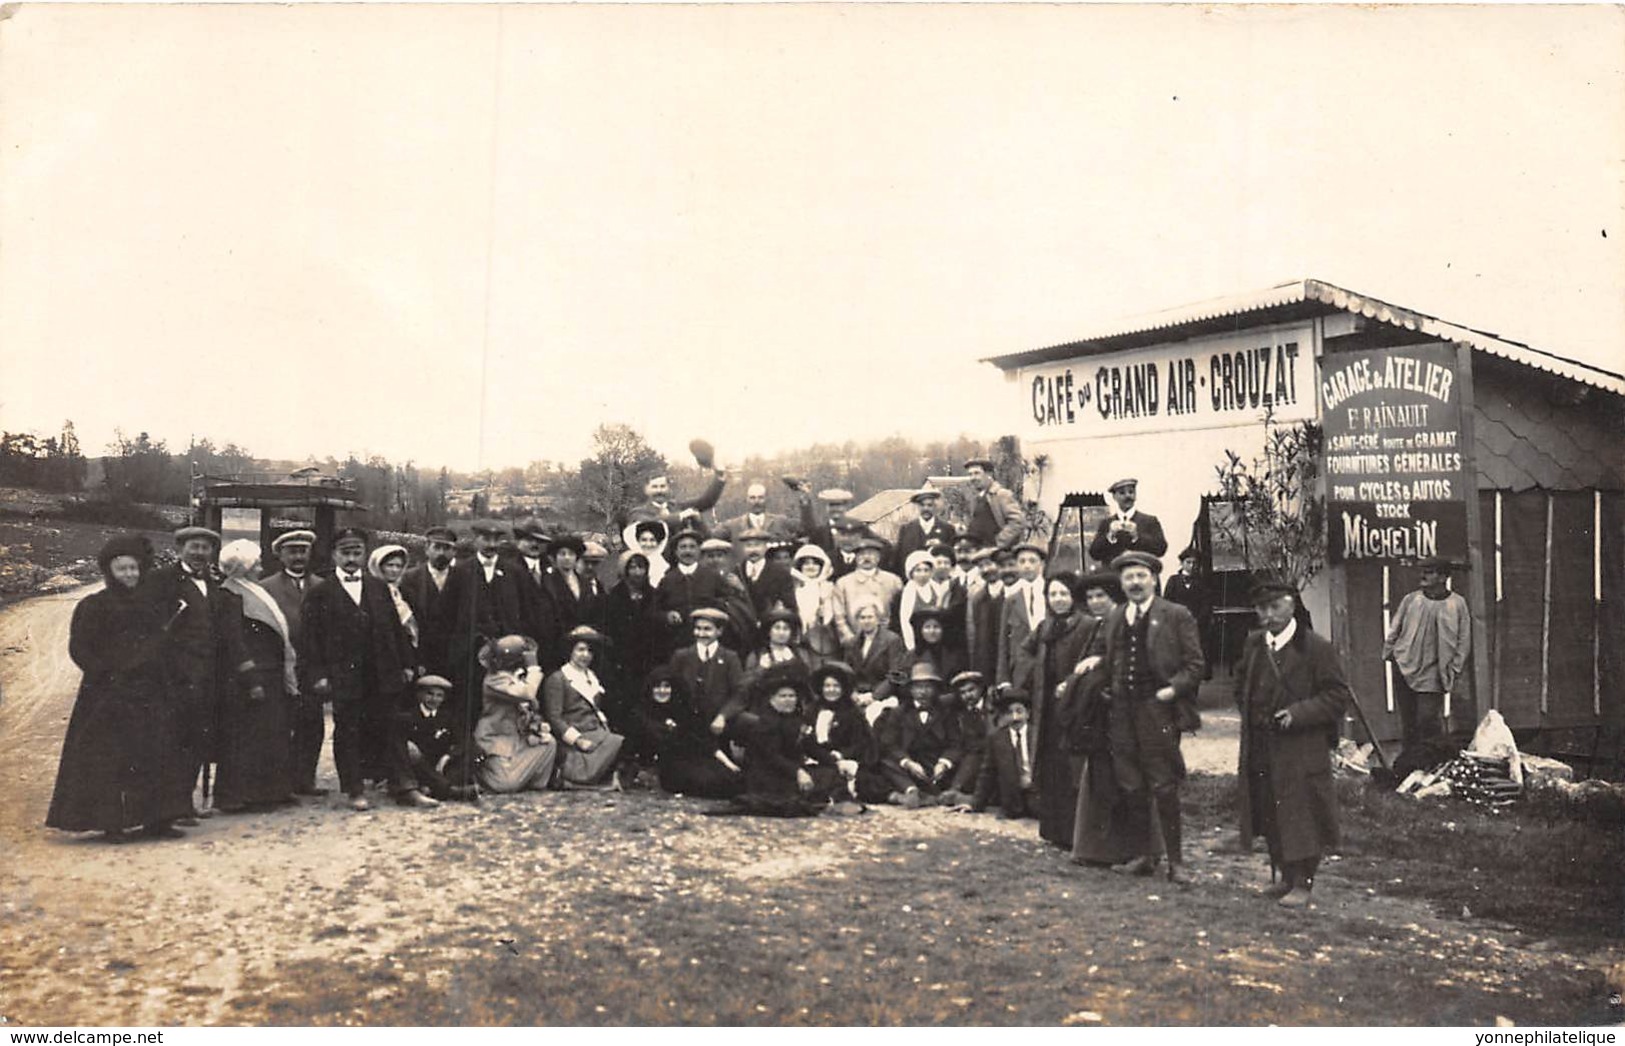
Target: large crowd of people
(781, 665)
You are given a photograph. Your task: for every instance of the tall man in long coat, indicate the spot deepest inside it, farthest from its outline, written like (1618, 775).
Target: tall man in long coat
(483, 602)
(531, 565)
(1292, 695)
(306, 724)
(1128, 529)
(204, 644)
(1154, 662)
(424, 588)
(1023, 610)
(358, 656)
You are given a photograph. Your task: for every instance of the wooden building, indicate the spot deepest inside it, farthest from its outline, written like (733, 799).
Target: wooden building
(1439, 439)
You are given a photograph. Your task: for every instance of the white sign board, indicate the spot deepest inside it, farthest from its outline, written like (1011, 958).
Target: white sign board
(1230, 379)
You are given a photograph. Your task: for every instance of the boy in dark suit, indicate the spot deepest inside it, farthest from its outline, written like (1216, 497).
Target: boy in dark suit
(711, 672)
(970, 693)
(431, 742)
(1007, 772)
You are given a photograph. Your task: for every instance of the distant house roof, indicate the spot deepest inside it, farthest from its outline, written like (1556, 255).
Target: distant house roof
(882, 504)
(1300, 299)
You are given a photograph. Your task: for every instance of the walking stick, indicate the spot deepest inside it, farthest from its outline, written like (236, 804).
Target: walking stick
(1376, 745)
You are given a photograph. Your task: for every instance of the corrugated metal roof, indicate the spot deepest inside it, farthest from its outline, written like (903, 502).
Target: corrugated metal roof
(1318, 296)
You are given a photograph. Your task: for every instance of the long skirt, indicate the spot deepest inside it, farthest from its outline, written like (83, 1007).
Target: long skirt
(255, 760)
(699, 775)
(530, 768)
(590, 768)
(122, 765)
(1103, 831)
(870, 785)
(1058, 773)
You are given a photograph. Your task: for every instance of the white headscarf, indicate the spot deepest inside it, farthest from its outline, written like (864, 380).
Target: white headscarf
(913, 593)
(657, 560)
(403, 609)
(237, 561)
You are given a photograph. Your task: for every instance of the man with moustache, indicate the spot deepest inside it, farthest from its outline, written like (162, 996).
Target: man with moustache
(483, 603)
(1127, 529)
(996, 519)
(1154, 663)
(306, 725)
(926, 531)
(531, 566)
(755, 517)
(658, 503)
(424, 587)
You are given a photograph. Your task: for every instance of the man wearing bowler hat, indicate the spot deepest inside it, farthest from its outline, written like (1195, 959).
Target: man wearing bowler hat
(1292, 695)
(1154, 663)
(530, 566)
(996, 518)
(306, 724)
(1128, 529)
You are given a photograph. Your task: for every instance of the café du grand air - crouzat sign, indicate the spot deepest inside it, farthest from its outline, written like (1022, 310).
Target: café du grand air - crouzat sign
(1203, 383)
(1395, 472)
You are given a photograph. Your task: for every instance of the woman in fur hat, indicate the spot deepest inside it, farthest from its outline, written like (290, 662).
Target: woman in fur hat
(513, 740)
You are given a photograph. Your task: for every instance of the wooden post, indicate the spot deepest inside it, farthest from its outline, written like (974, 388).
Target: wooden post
(1475, 559)
(1546, 616)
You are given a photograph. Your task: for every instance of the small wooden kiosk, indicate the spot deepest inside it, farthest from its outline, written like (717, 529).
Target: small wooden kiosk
(261, 504)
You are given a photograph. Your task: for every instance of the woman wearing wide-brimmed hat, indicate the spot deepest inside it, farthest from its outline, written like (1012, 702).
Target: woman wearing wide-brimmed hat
(573, 700)
(121, 765)
(842, 744)
(255, 761)
(513, 741)
(689, 758)
(815, 602)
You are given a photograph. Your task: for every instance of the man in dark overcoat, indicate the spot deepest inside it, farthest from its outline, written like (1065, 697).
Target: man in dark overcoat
(926, 531)
(1154, 662)
(769, 584)
(424, 588)
(307, 726)
(1292, 694)
(483, 602)
(203, 646)
(358, 656)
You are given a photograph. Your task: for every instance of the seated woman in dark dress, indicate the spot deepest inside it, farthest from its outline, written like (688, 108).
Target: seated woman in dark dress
(689, 759)
(844, 748)
(775, 739)
(121, 765)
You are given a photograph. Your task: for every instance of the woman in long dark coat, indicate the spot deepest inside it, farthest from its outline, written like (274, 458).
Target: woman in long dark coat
(255, 763)
(1057, 647)
(688, 757)
(121, 765)
(842, 744)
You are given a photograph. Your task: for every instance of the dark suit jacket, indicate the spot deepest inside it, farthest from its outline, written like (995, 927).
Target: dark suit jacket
(684, 594)
(1148, 538)
(716, 687)
(477, 610)
(672, 513)
(361, 650)
(887, 663)
(1001, 772)
(203, 648)
(982, 613)
(290, 598)
(1175, 650)
(1015, 665)
(433, 613)
(903, 736)
(536, 609)
(775, 586)
(911, 538)
(777, 526)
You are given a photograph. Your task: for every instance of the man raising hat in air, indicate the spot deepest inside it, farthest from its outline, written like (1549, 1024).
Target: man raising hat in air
(1154, 664)
(658, 503)
(1128, 529)
(996, 518)
(306, 724)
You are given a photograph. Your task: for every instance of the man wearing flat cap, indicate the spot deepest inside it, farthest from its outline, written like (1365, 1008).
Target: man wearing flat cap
(769, 584)
(865, 585)
(713, 674)
(1292, 694)
(358, 656)
(927, 530)
(307, 727)
(1154, 663)
(688, 586)
(1428, 643)
(996, 518)
(203, 645)
(424, 588)
(1127, 529)
(826, 524)
(756, 517)
(658, 503)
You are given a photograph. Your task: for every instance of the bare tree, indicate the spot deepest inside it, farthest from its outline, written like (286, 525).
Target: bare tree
(609, 482)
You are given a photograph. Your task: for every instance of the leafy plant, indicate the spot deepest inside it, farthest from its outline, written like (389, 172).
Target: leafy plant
(1280, 521)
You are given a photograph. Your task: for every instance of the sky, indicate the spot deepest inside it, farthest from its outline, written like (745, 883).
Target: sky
(467, 235)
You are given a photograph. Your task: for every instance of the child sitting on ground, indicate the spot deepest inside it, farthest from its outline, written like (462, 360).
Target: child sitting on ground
(1007, 769)
(431, 743)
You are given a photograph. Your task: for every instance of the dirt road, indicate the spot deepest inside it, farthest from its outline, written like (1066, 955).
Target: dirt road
(636, 908)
